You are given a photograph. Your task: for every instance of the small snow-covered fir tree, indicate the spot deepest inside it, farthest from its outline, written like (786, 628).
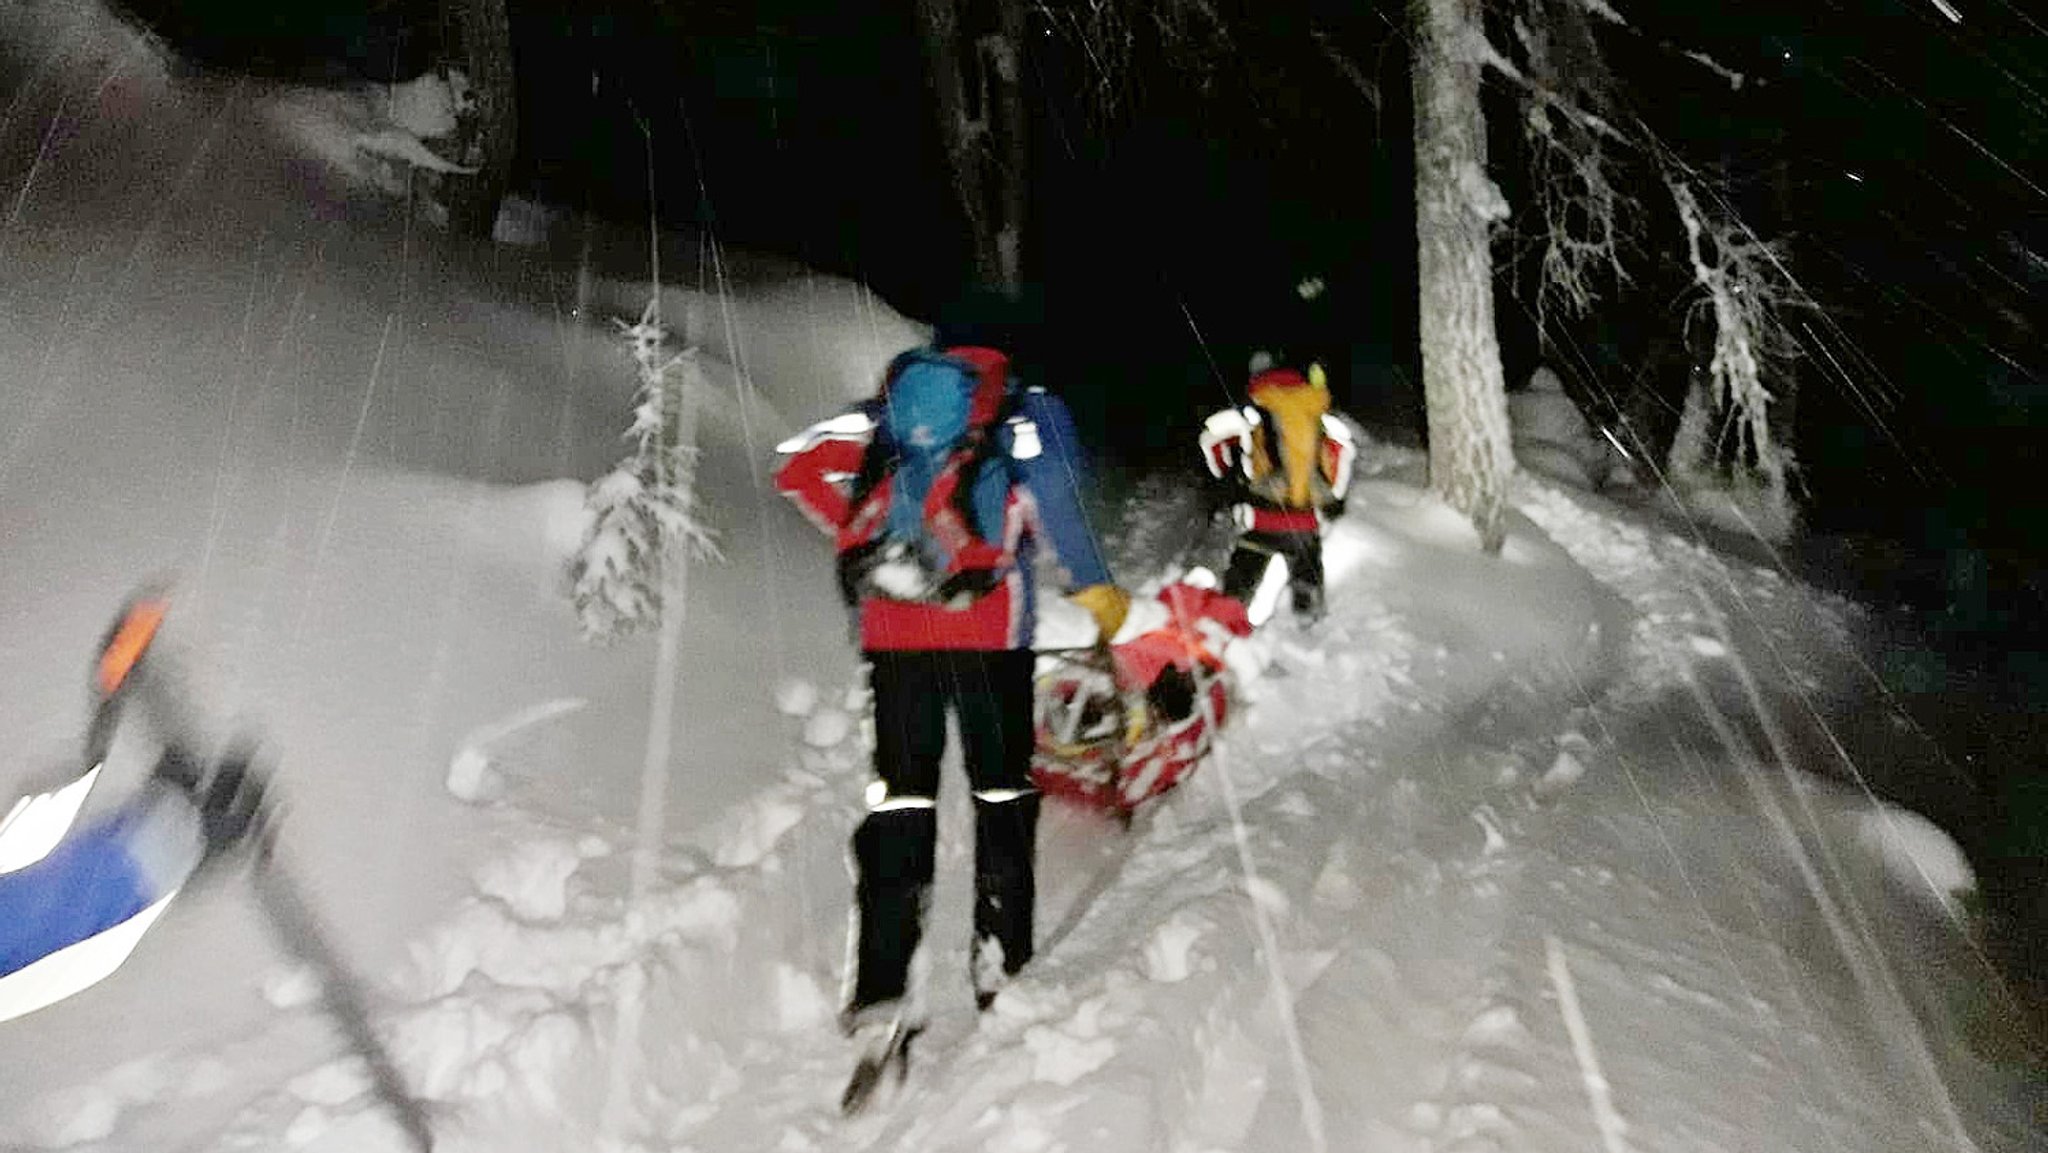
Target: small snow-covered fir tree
(645, 521)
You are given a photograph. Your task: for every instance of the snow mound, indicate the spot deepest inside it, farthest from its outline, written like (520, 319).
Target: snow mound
(533, 879)
(1566, 767)
(89, 1113)
(800, 345)
(291, 987)
(1552, 437)
(827, 728)
(369, 135)
(335, 1083)
(1922, 862)
(801, 1003)
(796, 697)
(472, 776)
(751, 834)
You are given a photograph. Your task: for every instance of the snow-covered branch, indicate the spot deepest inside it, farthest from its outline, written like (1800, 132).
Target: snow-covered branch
(1735, 79)
(1580, 214)
(1603, 10)
(1744, 288)
(1112, 35)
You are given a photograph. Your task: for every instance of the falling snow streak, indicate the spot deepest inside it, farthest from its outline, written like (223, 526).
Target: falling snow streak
(111, 298)
(1694, 883)
(1846, 921)
(1256, 897)
(1939, 118)
(745, 400)
(348, 464)
(216, 520)
(1805, 842)
(42, 152)
(1613, 1131)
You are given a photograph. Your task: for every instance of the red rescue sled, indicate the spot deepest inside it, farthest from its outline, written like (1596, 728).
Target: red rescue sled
(1116, 727)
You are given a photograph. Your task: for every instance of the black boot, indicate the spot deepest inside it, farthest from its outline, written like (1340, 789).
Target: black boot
(1005, 890)
(893, 852)
(1308, 605)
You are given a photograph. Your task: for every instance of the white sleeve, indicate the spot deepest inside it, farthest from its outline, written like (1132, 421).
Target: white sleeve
(37, 823)
(1223, 433)
(1346, 455)
(854, 424)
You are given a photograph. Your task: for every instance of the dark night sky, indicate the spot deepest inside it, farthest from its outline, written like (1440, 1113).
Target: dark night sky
(1902, 154)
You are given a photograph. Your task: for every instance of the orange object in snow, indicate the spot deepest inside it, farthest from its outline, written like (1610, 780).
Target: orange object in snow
(129, 640)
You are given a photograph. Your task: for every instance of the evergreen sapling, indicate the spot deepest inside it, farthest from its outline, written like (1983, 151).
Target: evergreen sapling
(645, 522)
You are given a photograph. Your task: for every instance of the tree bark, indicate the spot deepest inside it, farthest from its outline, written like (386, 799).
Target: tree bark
(1003, 63)
(482, 34)
(1464, 389)
(977, 86)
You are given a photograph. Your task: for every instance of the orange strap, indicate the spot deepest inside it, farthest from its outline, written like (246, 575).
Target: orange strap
(130, 640)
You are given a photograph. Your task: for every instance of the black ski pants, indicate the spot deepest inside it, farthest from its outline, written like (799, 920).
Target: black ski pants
(895, 848)
(1254, 554)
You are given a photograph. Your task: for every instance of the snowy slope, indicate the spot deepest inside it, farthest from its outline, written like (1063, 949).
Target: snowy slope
(1501, 858)
(348, 442)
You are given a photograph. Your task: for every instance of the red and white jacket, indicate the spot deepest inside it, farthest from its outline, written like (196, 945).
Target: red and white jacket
(1041, 505)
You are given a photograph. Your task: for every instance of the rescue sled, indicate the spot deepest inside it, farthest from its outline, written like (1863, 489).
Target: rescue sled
(1117, 726)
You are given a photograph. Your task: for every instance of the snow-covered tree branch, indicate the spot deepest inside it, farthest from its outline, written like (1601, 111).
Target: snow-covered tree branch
(1114, 36)
(1581, 218)
(1735, 426)
(1744, 289)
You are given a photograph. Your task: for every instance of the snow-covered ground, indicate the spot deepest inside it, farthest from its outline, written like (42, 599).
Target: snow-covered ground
(1545, 852)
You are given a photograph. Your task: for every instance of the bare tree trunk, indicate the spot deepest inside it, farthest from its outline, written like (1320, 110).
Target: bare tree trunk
(977, 83)
(482, 35)
(1003, 63)
(1464, 391)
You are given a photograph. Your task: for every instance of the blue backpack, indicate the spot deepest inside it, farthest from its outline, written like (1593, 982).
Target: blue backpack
(925, 407)
(923, 422)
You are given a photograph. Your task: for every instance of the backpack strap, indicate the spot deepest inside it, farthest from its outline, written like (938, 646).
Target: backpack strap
(984, 446)
(880, 456)
(875, 461)
(980, 445)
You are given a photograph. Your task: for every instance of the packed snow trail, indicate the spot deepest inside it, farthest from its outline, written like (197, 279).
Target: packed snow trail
(736, 970)
(1432, 890)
